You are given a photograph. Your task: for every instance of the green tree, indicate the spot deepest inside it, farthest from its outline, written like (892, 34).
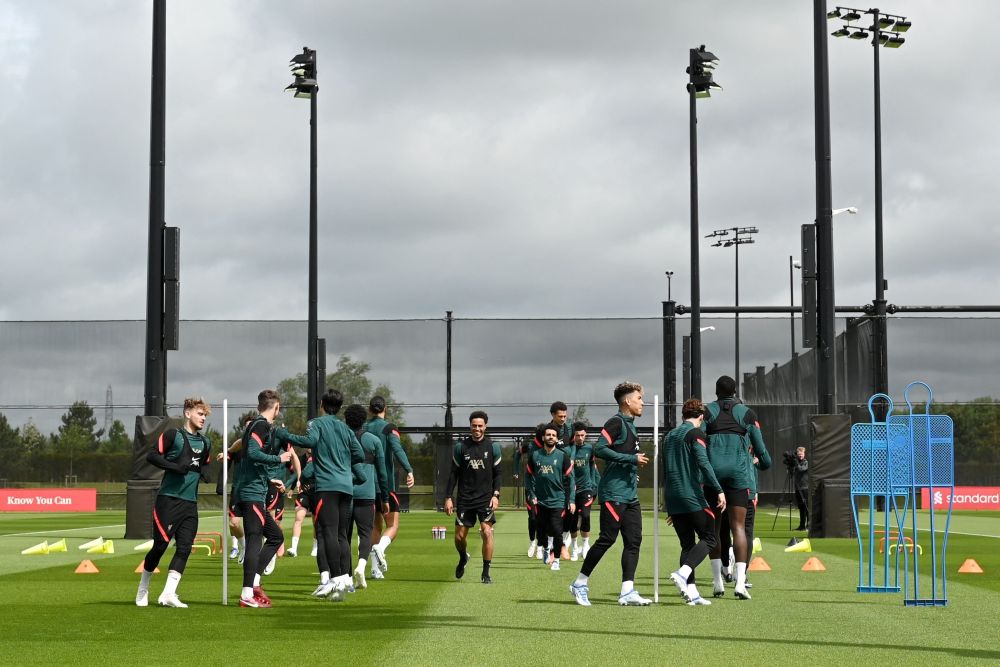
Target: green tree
(34, 441)
(350, 377)
(580, 415)
(11, 449)
(237, 431)
(77, 430)
(118, 439)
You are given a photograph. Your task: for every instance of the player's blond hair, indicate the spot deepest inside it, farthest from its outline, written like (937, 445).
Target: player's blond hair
(197, 402)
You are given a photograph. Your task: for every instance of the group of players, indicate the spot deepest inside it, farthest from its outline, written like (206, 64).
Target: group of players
(709, 464)
(347, 483)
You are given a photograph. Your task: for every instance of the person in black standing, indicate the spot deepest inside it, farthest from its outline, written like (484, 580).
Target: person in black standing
(801, 478)
(475, 467)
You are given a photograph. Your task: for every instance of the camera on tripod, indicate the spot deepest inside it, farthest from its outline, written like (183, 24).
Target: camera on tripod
(790, 459)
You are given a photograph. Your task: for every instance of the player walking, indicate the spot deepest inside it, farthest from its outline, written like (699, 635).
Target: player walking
(586, 477)
(618, 494)
(387, 524)
(181, 453)
(552, 491)
(475, 467)
(363, 507)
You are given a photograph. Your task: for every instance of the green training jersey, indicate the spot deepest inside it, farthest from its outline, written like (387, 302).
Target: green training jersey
(551, 478)
(392, 448)
(585, 473)
(686, 468)
(374, 466)
(337, 454)
(183, 449)
(619, 447)
(250, 474)
(734, 437)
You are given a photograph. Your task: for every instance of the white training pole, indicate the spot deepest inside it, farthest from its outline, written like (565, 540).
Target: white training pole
(225, 504)
(656, 498)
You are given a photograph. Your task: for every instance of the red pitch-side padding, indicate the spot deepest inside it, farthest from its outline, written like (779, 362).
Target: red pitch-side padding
(48, 500)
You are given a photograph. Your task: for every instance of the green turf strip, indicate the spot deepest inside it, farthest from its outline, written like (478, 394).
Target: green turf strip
(420, 615)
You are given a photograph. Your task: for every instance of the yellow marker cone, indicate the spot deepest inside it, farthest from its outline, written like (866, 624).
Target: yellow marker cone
(757, 546)
(58, 547)
(802, 547)
(105, 547)
(758, 564)
(139, 568)
(145, 546)
(86, 567)
(970, 566)
(813, 565)
(37, 550)
(91, 543)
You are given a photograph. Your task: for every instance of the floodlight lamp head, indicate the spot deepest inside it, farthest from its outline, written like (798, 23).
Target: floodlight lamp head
(797, 264)
(835, 14)
(859, 34)
(307, 56)
(843, 32)
(884, 22)
(851, 16)
(901, 25)
(894, 42)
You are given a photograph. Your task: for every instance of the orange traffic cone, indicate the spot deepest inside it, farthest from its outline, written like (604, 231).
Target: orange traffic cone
(970, 566)
(758, 564)
(139, 568)
(813, 565)
(86, 567)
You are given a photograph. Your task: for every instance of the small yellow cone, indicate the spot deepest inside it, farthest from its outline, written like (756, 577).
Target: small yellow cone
(105, 547)
(802, 547)
(145, 546)
(970, 566)
(140, 567)
(91, 543)
(813, 565)
(86, 567)
(37, 550)
(758, 564)
(757, 546)
(58, 547)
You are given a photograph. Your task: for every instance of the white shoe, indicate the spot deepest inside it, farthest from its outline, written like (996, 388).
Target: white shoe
(142, 597)
(575, 555)
(378, 557)
(171, 601)
(540, 553)
(531, 548)
(234, 552)
(292, 552)
(324, 589)
(633, 599)
(681, 585)
(314, 550)
(338, 594)
(241, 556)
(555, 564)
(359, 579)
(741, 593)
(581, 594)
(586, 549)
(698, 601)
(376, 572)
(718, 591)
(270, 566)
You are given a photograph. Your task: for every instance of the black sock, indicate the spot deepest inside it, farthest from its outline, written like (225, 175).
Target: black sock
(486, 567)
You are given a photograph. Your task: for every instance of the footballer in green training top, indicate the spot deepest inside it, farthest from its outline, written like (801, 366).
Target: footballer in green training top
(552, 493)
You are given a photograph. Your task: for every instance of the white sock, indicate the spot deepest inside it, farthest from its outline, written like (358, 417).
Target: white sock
(692, 592)
(170, 587)
(566, 538)
(144, 580)
(236, 542)
(741, 575)
(243, 543)
(246, 593)
(324, 577)
(384, 543)
(256, 580)
(576, 542)
(717, 572)
(684, 571)
(627, 586)
(581, 579)
(361, 565)
(551, 539)
(586, 541)
(315, 544)
(295, 542)
(534, 543)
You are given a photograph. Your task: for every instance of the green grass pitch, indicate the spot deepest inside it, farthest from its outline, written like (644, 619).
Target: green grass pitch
(420, 615)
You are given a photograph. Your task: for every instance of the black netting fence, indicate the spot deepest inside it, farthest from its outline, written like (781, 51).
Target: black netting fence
(512, 368)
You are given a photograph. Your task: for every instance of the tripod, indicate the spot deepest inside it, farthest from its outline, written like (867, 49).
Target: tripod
(786, 492)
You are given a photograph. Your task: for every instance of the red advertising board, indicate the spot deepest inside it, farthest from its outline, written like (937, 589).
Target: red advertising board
(48, 500)
(965, 498)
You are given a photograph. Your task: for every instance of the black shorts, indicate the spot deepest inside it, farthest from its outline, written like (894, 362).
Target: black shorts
(274, 501)
(304, 501)
(393, 501)
(467, 517)
(734, 497)
(170, 514)
(584, 499)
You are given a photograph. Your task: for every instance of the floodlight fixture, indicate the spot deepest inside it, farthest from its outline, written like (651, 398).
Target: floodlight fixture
(851, 15)
(843, 32)
(835, 14)
(859, 34)
(901, 25)
(894, 43)
(303, 68)
(884, 22)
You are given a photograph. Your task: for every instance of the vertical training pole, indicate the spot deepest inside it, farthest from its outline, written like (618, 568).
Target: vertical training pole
(656, 498)
(225, 504)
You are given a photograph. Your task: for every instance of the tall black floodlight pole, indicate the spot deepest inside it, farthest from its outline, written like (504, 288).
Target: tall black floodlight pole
(792, 264)
(700, 66)
(885, 31)
(741, 236)
(156, 355)
(304, 69)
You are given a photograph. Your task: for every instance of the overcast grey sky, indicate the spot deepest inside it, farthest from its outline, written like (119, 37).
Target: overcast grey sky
(491, 158)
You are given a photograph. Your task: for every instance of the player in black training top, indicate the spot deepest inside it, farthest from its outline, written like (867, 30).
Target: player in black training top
(475, 467)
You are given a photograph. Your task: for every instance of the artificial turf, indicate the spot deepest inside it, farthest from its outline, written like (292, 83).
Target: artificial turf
(420, 615)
